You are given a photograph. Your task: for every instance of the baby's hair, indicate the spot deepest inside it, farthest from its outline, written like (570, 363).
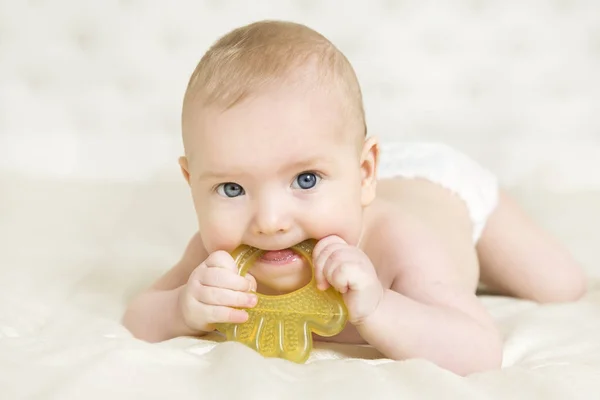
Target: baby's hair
(249, 58)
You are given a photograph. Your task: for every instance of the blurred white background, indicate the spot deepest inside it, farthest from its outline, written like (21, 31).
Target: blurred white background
(90, 96)
(92, 89)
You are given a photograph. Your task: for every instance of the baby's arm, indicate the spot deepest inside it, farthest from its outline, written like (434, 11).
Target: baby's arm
(198, 293)
(155, 315)
(430, 312)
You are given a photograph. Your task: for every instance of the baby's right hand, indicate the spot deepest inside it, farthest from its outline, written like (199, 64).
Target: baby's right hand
(212, 290)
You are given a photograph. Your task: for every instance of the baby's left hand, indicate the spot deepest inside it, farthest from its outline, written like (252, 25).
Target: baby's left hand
(349, 270)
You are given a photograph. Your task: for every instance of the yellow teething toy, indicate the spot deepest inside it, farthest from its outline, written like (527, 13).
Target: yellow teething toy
(281, 326)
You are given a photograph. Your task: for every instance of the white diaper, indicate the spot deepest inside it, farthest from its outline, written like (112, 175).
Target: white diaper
(447, 167)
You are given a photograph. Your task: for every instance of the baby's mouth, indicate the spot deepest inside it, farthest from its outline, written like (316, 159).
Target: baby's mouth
(279, 256)
(283, 256)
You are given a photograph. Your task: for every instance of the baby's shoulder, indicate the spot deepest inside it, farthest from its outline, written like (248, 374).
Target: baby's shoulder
(407, 247)
(387, 223)
(392, 236)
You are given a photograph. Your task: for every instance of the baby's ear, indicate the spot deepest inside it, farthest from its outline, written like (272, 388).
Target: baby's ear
(183, 164)
(368, 164)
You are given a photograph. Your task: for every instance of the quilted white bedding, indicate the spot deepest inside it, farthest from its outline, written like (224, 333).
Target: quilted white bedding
(93, 209)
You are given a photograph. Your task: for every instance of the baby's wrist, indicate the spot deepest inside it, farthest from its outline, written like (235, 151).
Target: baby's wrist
(373, 320)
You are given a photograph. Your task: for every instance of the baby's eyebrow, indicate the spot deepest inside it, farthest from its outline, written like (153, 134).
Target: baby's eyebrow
(217, 175)
(294, 166)
(304, 164)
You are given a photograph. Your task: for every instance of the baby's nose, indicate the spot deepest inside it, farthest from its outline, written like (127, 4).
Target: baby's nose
(271, 218)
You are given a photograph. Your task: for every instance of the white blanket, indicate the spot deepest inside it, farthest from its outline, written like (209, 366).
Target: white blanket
(93, 208)
(74, 254)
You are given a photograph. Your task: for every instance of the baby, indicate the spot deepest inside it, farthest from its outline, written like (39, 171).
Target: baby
(276, 152)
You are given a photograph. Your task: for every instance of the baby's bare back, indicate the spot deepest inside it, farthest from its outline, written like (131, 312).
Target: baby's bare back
(513, 254)
(444, 213)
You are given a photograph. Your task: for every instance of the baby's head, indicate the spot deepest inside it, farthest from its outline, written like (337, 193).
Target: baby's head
(275, 142)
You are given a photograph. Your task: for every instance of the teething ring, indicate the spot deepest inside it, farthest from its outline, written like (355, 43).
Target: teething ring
(281, 325)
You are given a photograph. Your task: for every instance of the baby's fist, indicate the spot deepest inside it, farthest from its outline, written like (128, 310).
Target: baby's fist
(215, 293)
(350, 271)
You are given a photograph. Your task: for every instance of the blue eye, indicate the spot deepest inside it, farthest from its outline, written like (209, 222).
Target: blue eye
(306, 180)
(230, 189)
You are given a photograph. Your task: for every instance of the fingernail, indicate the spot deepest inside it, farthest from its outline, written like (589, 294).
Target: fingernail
(252, 300)
(245, 317)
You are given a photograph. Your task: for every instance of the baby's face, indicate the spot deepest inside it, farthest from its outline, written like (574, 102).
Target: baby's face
(273, 171)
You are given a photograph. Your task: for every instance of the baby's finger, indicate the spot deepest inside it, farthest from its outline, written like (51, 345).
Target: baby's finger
(253, 284)
(221, 259)
(223, 278)
(222, 314)
(225, 297)
(341, 277)
(326, 241)
(336, 270)
(325, 247)
(322, 259)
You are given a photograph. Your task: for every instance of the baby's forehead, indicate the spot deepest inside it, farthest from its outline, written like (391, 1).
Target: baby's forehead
(286, 119)
(271, 149)
(288, 108)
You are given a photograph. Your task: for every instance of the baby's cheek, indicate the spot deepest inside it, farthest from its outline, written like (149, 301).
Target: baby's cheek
(220, 232)
(217, 238)
(338, 219)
